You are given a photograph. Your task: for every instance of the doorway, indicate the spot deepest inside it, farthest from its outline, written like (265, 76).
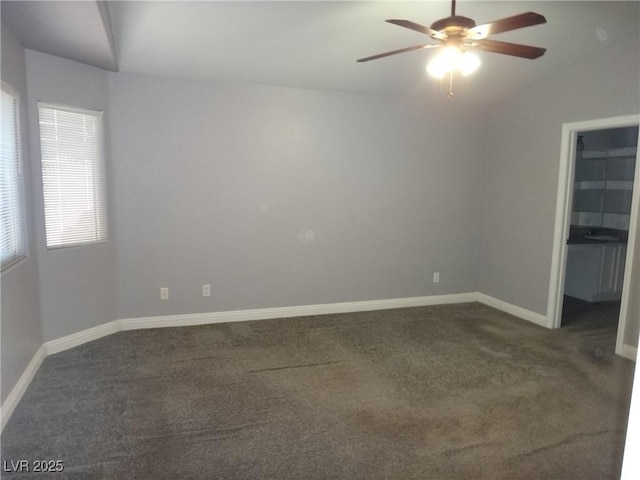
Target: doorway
(596, 221)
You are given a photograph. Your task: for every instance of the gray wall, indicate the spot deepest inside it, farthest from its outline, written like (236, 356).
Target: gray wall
(21, 329)
(522, 163)
(78, 284)
(280, 196)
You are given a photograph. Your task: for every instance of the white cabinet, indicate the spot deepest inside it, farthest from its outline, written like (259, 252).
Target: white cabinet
(595, 271)
(603, 188)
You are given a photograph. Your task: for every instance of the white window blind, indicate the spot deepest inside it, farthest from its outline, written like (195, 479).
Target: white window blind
(72, 175)
(12, 238)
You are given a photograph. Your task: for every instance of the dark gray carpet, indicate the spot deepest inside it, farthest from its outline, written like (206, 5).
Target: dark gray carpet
(443, 392)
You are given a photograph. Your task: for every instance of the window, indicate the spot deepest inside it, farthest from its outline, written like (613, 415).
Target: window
(72, 175)
(13, 237)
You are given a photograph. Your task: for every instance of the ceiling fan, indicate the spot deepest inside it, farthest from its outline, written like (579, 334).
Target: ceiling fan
(457, 35)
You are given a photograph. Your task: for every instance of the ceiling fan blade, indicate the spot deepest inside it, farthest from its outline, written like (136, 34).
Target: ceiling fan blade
(394, 52)
(506, 24)
(419, 28)
(514, 49)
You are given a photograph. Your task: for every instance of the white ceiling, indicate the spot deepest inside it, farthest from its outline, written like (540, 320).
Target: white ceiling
(315, 44)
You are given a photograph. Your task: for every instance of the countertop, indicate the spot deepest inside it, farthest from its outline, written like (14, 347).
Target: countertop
(588, 236)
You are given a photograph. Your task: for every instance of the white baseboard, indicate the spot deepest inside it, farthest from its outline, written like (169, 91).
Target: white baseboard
(78, 338)
(628, 352)
(12, 400)
(296, 311)
(64, 343)
(514, 310)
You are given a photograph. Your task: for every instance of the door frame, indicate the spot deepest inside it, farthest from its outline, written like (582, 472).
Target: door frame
(563, 220)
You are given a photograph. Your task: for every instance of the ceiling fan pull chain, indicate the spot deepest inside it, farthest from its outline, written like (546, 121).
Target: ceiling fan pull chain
(442, 80)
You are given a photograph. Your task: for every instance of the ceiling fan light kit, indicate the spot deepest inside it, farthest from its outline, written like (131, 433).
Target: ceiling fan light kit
(453, 59)
(457, 35)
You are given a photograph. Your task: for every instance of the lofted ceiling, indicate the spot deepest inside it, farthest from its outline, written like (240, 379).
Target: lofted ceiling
(78, 30)
(314, 44)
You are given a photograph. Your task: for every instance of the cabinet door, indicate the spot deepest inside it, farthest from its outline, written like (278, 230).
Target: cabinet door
(595, 272)
(621, 168)
(617, 201)
(612, 272)
(619, 221)
(588, 200)
(586, 219)
(584, 269)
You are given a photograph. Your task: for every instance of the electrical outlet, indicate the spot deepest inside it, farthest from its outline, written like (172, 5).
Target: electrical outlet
(206, 290)
(164, 293)
(436, 277)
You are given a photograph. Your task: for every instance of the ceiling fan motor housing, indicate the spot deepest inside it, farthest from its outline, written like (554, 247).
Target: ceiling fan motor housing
(454, 25)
